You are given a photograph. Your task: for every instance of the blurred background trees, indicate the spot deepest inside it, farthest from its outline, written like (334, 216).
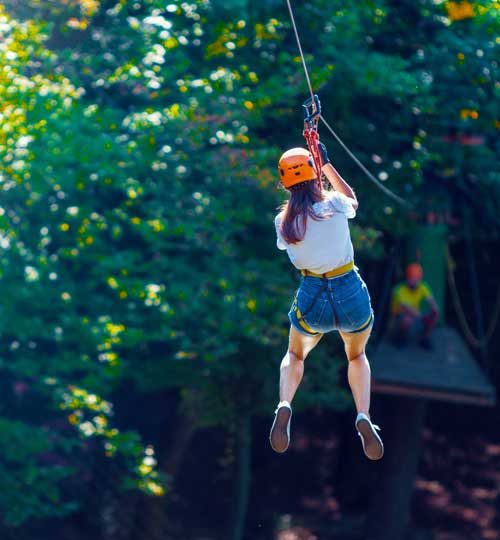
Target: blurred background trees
(143, 296)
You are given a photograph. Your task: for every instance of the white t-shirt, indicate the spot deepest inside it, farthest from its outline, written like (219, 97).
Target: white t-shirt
(327, 242)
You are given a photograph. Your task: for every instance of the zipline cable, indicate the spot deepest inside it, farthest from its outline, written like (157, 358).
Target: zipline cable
(381, 186)
(300, 49)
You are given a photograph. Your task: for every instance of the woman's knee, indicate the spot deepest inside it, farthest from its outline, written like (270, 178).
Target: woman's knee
(296, 355)
(356, 356)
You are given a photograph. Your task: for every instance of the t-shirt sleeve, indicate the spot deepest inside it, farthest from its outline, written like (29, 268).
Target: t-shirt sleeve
(280, 243)
(425, 291)
(342, 203)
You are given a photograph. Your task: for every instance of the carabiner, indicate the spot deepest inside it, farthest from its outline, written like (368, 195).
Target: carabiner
(312, 109)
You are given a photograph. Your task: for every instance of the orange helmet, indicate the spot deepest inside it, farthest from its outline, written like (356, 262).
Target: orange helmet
(414, 271)
(296, 166)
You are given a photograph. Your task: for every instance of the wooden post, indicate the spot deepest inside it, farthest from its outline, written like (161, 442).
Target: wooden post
(389, 512)
(404, 419)
(243, 476)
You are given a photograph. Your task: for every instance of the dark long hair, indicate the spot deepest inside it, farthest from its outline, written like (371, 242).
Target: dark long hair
(298, 208)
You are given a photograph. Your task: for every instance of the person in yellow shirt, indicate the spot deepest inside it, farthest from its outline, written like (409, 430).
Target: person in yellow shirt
(414, 310)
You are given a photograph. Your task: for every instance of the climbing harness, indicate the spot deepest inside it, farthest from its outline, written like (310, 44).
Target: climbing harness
(341, 271)
(332, 273)
(325, 277)
(311, 131)
(300, 316)
(336, 272)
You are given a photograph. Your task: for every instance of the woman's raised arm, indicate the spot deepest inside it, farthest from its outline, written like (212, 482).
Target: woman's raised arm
(333, 176)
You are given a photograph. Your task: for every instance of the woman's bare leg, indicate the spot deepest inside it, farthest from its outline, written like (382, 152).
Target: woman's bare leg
(291, 372)
(359, 375)
(292, 365)
(358, 371)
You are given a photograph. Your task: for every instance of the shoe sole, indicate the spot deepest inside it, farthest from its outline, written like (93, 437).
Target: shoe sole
(278, 436)
(372, 443)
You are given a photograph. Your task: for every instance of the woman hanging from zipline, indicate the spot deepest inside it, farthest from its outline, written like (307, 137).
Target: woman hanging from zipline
(312, 227)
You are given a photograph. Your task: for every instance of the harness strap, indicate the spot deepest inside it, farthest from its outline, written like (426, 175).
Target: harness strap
(336, 272)
(312, 111)
(364, 326)
(300, 316)
(303, 323)
(313, 301)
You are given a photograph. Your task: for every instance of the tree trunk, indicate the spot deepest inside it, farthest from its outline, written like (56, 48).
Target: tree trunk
(183, 435)
(389, 513)
(242, 482)
(153, 522)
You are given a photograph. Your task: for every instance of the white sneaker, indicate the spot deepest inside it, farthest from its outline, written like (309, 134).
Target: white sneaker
(279, 437)
(373, 446)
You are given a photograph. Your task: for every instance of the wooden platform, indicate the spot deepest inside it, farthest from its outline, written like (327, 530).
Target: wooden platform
(447, 373)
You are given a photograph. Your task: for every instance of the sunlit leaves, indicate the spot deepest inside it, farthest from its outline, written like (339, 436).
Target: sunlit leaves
(138, 189)
(458, 11)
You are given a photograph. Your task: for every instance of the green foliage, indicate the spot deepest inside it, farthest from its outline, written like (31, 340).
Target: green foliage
(30, 488)
(139, 143)
(52, 337)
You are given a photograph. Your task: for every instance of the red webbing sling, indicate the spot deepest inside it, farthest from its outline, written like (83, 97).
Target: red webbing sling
(312, 112)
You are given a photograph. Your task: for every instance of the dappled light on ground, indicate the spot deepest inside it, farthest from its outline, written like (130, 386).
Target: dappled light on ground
(467, 497)
(295, 533)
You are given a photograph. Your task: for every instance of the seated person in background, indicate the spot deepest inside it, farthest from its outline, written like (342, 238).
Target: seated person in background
(413, 309)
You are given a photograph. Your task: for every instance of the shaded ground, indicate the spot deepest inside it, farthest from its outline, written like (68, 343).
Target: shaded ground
(457, 492)
(321, 488)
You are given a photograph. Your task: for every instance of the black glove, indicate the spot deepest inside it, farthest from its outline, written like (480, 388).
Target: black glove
(323, 153)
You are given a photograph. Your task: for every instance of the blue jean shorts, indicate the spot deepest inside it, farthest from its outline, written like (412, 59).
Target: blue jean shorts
(339, 303)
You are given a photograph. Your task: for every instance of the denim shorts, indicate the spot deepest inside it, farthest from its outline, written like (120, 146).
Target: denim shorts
(339, 303)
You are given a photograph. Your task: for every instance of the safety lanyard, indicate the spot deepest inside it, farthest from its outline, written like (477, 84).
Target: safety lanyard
(312, 112)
